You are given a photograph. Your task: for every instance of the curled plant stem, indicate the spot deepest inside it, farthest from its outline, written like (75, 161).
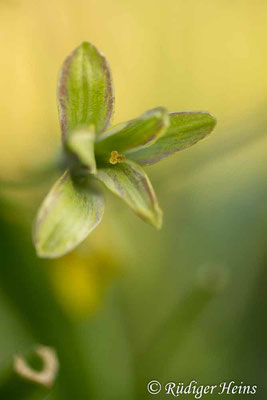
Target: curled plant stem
(21, 380)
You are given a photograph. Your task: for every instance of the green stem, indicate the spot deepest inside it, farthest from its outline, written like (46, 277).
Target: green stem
(170, 335)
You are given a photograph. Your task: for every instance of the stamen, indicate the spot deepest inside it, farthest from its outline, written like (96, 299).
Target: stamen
(115, 157)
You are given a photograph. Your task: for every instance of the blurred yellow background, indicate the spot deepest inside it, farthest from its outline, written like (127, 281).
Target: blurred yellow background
(199, 55)
(127, 280)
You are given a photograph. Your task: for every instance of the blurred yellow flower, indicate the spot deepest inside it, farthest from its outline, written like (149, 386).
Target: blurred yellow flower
(80, 280)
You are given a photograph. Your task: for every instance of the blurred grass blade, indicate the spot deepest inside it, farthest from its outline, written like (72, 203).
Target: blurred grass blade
(68, 214)
(142, 131)
(170, 335)
(23, 379)
(85, 92)
(128, 181)
(38, 307)
(186, 129)
(80, 142)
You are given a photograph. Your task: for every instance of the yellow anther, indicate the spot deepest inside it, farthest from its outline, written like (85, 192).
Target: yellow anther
(115, 157)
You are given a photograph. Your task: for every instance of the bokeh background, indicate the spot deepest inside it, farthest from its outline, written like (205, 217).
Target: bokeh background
(132, 304)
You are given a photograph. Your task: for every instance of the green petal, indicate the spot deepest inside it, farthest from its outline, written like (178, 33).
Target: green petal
(68, 214)
(128, 181)
(186, 129)
(85, 92)
(139, 132)
(81, 143)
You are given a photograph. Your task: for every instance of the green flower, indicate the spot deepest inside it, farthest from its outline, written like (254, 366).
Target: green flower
(113, 156)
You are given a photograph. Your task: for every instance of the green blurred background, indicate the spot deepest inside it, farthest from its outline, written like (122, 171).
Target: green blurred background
(132, 304)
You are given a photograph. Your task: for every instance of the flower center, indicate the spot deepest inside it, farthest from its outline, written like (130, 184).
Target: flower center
(115, 157)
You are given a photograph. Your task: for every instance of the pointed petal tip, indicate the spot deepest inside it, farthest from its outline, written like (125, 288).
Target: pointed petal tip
(135, 134)
(161, 113)
(85, 43)
(41, 251)
(46, 254)
(157, 222)
(213, 119)
(154, 219)
(130, 182)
